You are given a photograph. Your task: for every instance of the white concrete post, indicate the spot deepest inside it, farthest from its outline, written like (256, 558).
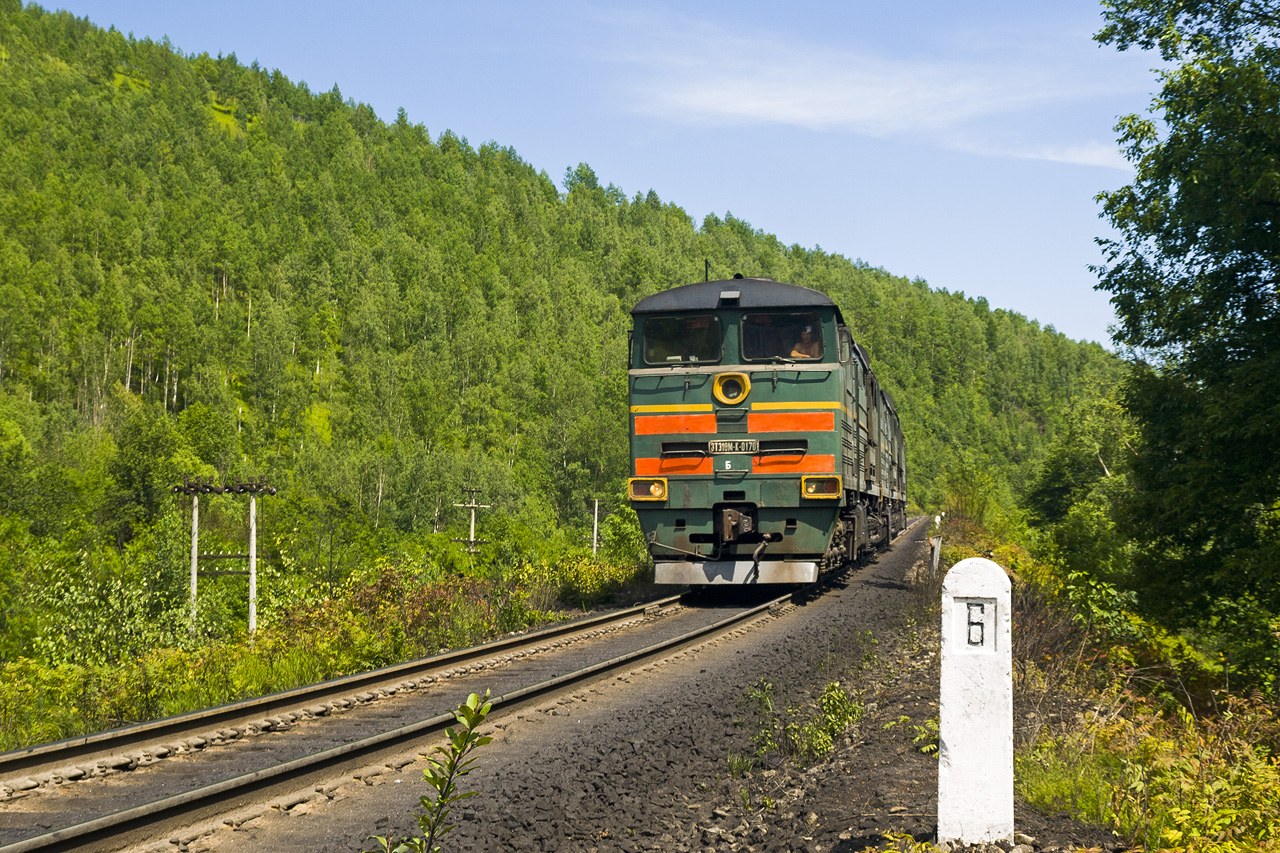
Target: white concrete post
(595, 528)
(195, 554)
(975, 755)
(253, 563)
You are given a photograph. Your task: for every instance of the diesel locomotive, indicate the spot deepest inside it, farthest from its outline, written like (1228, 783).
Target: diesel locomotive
(763, 450)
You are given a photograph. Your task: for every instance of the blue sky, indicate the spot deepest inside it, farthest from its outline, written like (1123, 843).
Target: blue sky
(959, 143)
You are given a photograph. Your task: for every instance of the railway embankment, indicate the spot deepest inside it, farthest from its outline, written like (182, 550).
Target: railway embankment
(669, 756)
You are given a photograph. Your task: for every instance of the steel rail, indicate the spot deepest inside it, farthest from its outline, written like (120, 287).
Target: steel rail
(61, 753)
(136, 824)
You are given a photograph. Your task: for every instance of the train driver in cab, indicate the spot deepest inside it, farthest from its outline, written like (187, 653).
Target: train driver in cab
(808, 346)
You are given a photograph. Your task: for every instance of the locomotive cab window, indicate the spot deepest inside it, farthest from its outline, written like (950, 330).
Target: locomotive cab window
(793, 336)
(675, 340)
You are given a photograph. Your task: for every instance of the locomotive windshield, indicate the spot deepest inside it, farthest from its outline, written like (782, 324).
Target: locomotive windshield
(781, 335)
(668, 340)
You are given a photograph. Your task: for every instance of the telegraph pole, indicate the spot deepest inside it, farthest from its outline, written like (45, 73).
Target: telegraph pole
(471, 540)
(595, 524)
(253, 562)
(195, 553)
(204, 485)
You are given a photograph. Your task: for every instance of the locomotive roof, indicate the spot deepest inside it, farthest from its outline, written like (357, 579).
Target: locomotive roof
(752, 293)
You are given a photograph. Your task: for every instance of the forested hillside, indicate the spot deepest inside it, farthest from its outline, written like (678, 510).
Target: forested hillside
(207, 269)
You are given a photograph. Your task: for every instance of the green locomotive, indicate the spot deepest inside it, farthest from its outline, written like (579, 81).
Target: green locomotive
(763, 449)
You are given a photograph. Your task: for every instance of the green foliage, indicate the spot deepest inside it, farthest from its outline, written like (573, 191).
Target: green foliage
(622, 540)
(1094, 443)
(924, 735)
(15, 461)
(1169, 782)
(837, 711)
(740, 765)
(1099, 606)
(1192, 278)
(1066, 775)
(1129, 579)
(974, 489)
(375, 316)
(142, 470)
(760, 695)
(443, 774)
(807, 736)
(1189, 269)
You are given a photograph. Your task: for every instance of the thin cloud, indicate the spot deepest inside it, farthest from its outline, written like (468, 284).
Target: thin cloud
(837, 93)
(762, 80)
(1099, 154)
(1089, 154)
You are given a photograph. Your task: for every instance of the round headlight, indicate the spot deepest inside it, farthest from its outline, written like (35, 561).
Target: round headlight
(656, 490)
(731, 388)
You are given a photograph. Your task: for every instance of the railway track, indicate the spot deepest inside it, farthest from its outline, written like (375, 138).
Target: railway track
(44, 759)
(293, 743)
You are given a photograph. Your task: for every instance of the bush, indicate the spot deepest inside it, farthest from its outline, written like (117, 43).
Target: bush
(1168, 781)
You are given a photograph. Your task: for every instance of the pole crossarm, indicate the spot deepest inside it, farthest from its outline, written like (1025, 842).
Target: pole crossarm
(205, 486)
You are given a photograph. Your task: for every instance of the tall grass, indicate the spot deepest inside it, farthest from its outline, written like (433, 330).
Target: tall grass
(385, 617)
(1167, 781)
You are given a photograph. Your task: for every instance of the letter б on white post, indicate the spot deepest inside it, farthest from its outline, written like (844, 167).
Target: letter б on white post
(975, 727)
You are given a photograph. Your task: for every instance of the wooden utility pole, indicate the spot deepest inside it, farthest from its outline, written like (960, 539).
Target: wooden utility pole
(204, 485)
(471, 539)
(195, 553)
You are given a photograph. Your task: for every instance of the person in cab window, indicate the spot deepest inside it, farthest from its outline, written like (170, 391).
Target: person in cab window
(808, 346)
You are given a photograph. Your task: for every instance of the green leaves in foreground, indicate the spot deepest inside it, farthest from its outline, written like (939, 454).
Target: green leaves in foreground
(1192, 277)
(443, 774)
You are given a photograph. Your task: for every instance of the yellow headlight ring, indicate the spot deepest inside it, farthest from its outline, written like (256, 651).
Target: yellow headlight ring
(718, 388)
(651, 488)
(821, 484)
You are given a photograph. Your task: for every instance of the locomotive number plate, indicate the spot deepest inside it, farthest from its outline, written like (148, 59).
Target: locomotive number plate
(741, 445)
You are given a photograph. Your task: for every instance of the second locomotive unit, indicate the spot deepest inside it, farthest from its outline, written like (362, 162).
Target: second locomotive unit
(762, 447)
